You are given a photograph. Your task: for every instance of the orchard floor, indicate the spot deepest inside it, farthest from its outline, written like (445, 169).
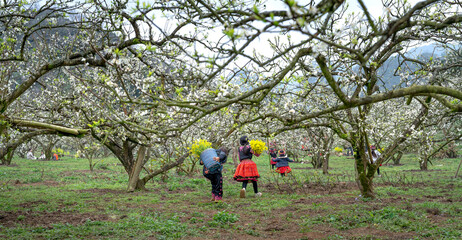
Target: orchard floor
(64, 200)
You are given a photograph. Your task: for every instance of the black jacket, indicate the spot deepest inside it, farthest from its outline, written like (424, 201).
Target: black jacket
(282, 161)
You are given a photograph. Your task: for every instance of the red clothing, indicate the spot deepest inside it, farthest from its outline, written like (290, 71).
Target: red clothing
(55, 157)
(246, 170)
(272, 162)
(285, 169)
(272, 153)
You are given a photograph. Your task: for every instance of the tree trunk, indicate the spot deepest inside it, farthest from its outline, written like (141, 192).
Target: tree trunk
(235, 154)
(328, 141)
(397, 158)
(424, 163)
(316, 160)
(48, 148)
(134, 182)
(325, 164)
(6, 154)
(48, 151)
(92, 166)
(365, 175)
(458, 168)
(124, 152)
(452, 153)
(452, 150)
(7, 157)
(322, 144)
(164, 169)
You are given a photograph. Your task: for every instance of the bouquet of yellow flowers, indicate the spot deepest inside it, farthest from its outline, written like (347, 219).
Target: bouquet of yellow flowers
(198, 147)
(257, 146)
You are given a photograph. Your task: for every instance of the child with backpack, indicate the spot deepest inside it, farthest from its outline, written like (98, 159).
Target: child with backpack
(215, 175)
(282, 163)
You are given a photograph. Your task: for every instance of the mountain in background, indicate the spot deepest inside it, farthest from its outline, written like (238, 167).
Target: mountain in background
(388, 74)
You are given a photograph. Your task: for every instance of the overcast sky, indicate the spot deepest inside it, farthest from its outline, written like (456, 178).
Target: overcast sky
(375, 7)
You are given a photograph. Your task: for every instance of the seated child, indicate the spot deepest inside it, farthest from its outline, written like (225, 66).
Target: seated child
(282, 163)
(30, 155)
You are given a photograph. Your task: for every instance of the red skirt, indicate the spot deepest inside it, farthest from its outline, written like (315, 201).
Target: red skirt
(272, 162)
(285, 169)
(246, 170)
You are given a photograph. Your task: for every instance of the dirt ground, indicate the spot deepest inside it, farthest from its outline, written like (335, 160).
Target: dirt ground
(274, 227)
(47, 219)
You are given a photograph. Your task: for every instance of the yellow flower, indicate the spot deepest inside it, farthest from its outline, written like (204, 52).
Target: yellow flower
(198, 147)
(258, 146)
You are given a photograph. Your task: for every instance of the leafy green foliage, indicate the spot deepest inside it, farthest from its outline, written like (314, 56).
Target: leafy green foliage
(225, 217)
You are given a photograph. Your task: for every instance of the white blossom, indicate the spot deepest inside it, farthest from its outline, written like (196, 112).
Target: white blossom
(313, 10)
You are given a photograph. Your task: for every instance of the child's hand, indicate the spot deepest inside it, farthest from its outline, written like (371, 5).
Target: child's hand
(206, 171)
(254, 153)
(216, 159)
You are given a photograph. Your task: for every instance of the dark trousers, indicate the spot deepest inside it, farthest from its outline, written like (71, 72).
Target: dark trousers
(217, 183)
(349, 151)
(254, 183)
(272, 166)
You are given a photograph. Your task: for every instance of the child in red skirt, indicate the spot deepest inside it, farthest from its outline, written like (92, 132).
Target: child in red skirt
(273, 154)
(247, 171)
(282, 163)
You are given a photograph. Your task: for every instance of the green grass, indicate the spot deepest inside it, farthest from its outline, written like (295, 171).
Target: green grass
(410, 204)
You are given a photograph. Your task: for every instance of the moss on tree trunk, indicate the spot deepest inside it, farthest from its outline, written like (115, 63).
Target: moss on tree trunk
(365, 176)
